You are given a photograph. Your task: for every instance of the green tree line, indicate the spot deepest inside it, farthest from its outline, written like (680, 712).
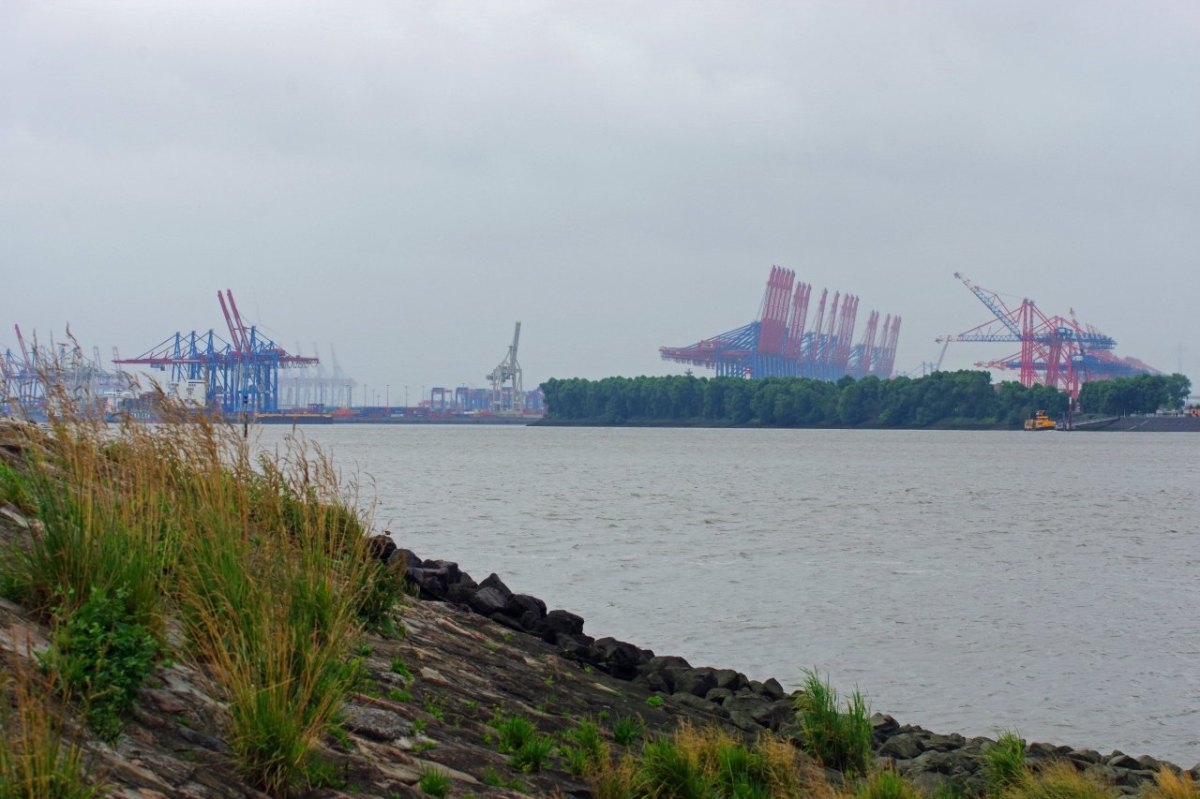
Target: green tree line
(963, 398)
(1141, 394)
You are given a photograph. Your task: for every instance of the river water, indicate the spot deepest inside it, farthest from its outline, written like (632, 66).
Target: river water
(964, 581)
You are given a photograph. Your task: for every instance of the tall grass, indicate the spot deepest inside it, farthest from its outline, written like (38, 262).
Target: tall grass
(1169, 785)
(264, 562)
(1004, 764)
(36, 759)
(836, 733)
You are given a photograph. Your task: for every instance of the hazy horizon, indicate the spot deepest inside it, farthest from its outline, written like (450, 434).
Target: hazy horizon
(405, 181)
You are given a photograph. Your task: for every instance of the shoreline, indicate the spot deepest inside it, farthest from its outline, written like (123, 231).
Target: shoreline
(751, 705)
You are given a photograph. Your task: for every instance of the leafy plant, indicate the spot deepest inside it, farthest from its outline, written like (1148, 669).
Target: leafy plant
(103, 656)
(654, 700)
(400, 667)
(838, 736)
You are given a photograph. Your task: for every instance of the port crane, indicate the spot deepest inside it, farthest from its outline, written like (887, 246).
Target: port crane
(1055, 350)
(508, 372)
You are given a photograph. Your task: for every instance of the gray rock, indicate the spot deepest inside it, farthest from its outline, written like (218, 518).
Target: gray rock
(493, 581)
(696, 703)
(772, 689)
(381, 547)
(743, 720)
(901, 747)
(1119, 759)
(487, 601)
(884, 724)
(375, 723)
(519, 606)
(559, 622)
(728, 678)
(654, 681)
(718, 695)
(776, 715)
(618, 658)
(696, 682)
(576, 647)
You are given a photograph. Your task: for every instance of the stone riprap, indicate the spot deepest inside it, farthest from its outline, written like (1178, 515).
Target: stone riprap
(930, 759)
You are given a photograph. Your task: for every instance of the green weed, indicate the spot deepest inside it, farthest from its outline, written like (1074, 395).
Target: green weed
(626, 729)
(531, 755)
(434, 782)
(102, 656)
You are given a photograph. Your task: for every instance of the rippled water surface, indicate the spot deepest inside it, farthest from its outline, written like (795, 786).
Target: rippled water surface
(967, 582)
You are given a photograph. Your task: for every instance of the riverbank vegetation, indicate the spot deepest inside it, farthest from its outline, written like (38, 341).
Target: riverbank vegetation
(1133, 395)
(153, 543)
(942, 399)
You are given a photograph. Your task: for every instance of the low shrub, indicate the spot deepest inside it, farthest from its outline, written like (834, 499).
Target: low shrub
(835, 733)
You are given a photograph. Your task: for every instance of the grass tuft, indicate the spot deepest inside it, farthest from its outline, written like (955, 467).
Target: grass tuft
(36, 761)
(1171, 785)
(434, 782)
(835, 733)
(1004, 766)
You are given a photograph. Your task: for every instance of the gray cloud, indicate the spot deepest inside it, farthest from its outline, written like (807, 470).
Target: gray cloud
(406, 180)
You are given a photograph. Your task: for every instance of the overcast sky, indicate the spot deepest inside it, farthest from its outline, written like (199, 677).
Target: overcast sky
(406, 180)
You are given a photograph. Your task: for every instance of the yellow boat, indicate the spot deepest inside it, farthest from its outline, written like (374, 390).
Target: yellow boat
(1040, 421)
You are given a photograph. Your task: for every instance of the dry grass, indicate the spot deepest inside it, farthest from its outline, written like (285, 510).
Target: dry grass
(36, 759)
(711, 762)
(1171, 785)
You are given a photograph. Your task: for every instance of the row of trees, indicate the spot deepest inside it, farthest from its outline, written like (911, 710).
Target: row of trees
(1141, 394)
(963, 398)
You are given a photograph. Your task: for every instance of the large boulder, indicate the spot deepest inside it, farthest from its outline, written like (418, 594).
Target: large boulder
(697, 682)
(556, 623)
(493, 581)
(618, 658)
(487, 601)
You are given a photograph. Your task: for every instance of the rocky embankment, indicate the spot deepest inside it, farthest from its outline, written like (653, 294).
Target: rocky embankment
(930, 759)
(474, 653)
